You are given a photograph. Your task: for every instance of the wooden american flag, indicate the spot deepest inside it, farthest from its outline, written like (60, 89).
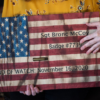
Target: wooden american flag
(53, 59)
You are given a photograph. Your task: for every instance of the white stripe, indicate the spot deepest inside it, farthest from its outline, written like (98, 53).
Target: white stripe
(62, 22)
(50, 58)
(50, 69)
(57, 34)
(51, 81)
(54, 46)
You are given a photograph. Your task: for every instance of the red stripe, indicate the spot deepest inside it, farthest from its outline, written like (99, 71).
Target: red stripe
(59, 28)
(50, 64)
(66, 74)
(69, 86)
(57, 51)
(12, 88)
(52, 86)
(55, 40)
(63, 16)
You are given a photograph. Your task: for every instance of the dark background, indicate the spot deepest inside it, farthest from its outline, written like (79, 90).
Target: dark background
(1, 3)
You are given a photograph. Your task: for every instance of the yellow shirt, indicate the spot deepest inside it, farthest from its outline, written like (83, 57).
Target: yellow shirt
(42, 7)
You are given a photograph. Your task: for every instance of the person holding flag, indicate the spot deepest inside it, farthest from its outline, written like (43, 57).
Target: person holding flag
(13, 8)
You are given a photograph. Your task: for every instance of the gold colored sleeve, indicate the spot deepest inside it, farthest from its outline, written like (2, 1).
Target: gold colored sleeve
(42, 7)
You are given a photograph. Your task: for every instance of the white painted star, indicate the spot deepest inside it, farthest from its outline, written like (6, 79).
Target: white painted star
(22, 49)
(26, 53)
(15, 19)
(4, 50)
(2, 24)
(24, 18)
(8, 46)
(0, 55)
(8, 54)
(25, 36)
(16, 28)
(11, 24)
(17, 53)
(16, 36)
(21, 32)
(21, 41)
(3, 42)
(12, 41)
(17, 45)
(12, 32)
(26, 44)
(24, 27)
(3, 33)
(7, 37)
(6, 19)
(7, 28)
(20, 23)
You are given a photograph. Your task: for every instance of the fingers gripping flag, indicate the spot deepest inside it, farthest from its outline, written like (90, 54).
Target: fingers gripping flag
(45, 51)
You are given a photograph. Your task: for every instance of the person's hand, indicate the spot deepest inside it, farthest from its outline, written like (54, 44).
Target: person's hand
(31, 90)
(93, 39)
